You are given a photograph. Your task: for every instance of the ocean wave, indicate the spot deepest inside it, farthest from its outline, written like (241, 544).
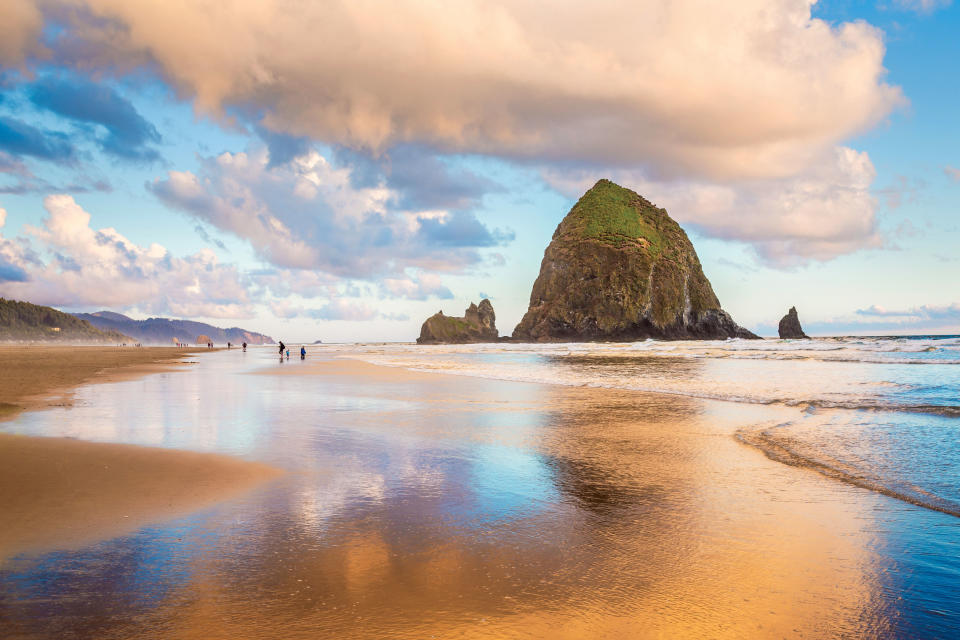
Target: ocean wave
(555, 378)
(840, 351)
(790, 451)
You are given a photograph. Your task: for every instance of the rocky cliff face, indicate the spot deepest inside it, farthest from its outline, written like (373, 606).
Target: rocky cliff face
(478, 324)
(619, 268)
(790, 326)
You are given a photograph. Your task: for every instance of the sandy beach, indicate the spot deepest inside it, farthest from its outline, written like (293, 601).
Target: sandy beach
(35, 376)
(416, 504)
(58, 493)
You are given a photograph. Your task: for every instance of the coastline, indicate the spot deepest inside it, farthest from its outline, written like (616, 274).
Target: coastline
(417, 503)
(63, 493)
(36, 376)
(732, 543)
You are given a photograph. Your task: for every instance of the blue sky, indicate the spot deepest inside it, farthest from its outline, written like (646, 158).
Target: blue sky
(380, 166)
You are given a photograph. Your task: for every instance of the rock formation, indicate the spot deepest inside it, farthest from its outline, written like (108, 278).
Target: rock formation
(790, 326)
(619, 268)
(478, 324)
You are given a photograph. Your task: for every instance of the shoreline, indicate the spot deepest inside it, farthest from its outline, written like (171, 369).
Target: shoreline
(758, 437)
(63, 493)
(747, 542)
(34, 377)
(418, 504)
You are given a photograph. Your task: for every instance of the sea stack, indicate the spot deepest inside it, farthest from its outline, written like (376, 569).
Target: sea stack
(790, 326)
(620, 268)
(478, 324)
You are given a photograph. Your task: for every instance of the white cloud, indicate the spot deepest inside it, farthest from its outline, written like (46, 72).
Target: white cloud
(748, 89)
(822, 213)
(307, 214)
(87, 268)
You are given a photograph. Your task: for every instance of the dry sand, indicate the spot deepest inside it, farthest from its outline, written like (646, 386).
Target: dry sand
(62, 493)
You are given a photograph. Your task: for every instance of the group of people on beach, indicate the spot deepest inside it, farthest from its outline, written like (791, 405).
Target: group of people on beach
(285, 350)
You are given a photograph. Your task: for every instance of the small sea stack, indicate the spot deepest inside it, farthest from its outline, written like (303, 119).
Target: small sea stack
(478, 324)
(790, 326)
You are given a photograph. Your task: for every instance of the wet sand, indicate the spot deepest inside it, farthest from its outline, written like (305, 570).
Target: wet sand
(38, 376)
(677, 530)
(60, 493)
(57, 493)
(419, 505)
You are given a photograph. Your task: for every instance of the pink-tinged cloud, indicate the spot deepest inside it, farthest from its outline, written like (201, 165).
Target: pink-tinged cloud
(877, 320)
(950, 312)
(747, 89)
(336, 309)
(78, 266)
(422, 287)
(819, 214)
(20, 25)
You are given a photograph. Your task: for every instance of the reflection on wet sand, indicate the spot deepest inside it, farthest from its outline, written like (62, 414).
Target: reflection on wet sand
(420, 505)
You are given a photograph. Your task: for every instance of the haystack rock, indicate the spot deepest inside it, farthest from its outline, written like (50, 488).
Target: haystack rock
(790, 326)
(619, 268)
(478, 324)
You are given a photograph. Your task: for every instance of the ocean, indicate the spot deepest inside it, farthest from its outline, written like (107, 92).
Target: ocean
(879, 412)
(730, 489)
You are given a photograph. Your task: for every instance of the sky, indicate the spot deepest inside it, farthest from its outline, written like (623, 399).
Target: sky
(343, 170)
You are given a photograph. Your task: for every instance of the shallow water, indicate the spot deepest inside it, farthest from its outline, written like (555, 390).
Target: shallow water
(882, 411)
(418, 506)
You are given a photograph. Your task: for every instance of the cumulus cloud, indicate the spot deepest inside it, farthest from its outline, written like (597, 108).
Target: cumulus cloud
(822, 213)
(422, 180)
(425, 286)
(308, 214)
(128, 134)
(89, 267)
(10, 271)
(747, 89)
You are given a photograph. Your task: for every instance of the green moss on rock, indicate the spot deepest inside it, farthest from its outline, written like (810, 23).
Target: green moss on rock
(618, 268)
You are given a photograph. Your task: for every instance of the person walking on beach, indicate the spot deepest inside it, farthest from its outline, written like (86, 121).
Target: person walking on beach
(244, 347)
(282, 347)
(303, 352)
